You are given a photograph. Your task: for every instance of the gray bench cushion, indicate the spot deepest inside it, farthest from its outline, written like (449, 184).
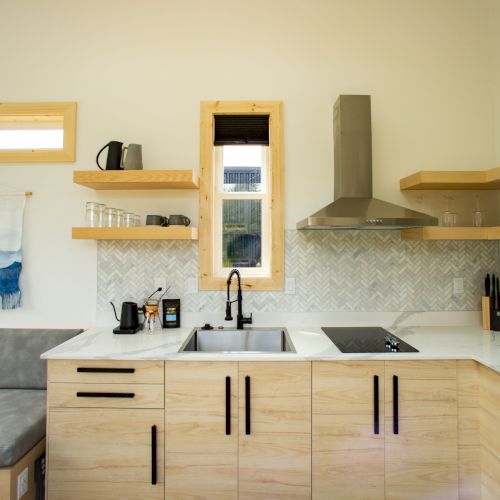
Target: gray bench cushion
(20, 350)
(22, 422)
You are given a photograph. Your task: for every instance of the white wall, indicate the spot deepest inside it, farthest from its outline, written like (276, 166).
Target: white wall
(138, 71)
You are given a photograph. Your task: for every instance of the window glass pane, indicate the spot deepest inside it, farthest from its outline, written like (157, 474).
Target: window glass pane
(241, 233)
(242, 168)
(31, 132)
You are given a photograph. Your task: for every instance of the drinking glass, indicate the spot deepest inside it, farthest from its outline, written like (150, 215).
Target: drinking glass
(477, 215)
(92, 214)
(110, 217)
(128, 219)
(119, 217)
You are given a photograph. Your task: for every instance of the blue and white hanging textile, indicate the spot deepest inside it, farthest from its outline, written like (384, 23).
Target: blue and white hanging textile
(11, 232)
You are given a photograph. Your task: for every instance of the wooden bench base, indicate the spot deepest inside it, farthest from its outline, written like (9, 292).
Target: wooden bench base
(8, 475)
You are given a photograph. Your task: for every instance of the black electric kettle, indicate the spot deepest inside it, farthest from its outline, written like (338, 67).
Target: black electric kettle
(129, 319)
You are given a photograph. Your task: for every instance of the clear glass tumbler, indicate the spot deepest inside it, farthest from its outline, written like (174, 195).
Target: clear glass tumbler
(128, 219)
(137, 220)
(109, 217)
(119, 217)
(92, 214)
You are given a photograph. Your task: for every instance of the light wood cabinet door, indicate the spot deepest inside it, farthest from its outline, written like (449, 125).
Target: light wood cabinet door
(274, 430)
(348, 430)
(105, 454)
(421, 436)
(201, 443)
(489, 433)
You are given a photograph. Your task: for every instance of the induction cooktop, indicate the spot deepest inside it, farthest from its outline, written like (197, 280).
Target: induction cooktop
(366, 339)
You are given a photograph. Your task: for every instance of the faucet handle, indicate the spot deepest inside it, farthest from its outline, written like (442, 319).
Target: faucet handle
(247, 321)
(229, 316)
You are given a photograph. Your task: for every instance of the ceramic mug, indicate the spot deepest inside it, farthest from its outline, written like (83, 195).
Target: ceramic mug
(156, 220)
(179, 220)
(132, 157)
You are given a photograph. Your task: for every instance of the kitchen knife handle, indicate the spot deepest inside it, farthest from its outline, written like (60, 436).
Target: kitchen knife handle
(228, 406)
(395, 404)
(376, 426)
(153, 455)
(247, 405)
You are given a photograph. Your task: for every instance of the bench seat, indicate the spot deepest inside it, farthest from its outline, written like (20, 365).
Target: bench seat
(22, 422)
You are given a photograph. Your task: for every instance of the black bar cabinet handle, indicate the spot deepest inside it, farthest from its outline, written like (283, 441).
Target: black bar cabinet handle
(376, 427)
(395, 405)
(228, 406)
(105, 395)
(153, 454)
(104, 370)
(247, 405)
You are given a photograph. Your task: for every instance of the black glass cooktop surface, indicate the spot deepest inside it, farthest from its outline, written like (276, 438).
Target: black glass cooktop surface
(366, 339)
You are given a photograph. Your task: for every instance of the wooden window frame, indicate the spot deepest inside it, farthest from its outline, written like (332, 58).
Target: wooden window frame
(65, 109)
(274, 109)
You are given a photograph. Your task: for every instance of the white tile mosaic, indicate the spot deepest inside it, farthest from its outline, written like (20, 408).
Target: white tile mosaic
(333, 271)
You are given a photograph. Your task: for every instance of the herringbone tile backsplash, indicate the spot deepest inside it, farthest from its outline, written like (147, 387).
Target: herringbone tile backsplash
(334, 271)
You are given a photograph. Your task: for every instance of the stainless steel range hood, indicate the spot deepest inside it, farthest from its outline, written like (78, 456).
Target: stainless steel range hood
(354, 206)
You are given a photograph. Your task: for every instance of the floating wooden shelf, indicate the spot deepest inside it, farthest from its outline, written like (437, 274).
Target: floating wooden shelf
(135, 233)
(451, 233)
(467, 179)
(136, 179)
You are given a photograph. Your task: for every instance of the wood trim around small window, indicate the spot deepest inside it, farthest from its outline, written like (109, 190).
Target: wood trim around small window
(43, 109)
(275, 111)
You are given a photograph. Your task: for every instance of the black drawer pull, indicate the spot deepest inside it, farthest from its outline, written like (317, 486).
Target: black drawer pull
(247, 405)
(376, 426)
(153, 455)
(228, 406)
(395, 405)
(105, 395)
(104, 370)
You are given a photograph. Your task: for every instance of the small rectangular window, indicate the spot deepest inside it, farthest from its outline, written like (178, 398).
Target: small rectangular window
(241, 211)
(37, 132)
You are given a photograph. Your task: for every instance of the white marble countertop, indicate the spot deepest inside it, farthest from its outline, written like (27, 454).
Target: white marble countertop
(438, 342)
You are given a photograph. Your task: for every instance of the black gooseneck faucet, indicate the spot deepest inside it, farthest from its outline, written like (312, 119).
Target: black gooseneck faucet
(240, 319)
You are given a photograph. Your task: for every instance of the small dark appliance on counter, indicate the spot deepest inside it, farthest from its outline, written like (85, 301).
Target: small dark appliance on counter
(129, 319)
(171, 313)
(366, 339)
(491, 304)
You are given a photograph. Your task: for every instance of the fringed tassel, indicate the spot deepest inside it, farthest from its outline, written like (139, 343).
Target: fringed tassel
(11, 300)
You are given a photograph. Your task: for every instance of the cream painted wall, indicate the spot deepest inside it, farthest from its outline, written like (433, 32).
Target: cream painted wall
(495, 39)
(138, 71)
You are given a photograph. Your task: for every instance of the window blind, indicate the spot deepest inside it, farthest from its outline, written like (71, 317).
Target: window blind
(241, 129)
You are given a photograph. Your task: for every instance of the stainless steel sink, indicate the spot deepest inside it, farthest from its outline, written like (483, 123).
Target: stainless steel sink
(232, 340)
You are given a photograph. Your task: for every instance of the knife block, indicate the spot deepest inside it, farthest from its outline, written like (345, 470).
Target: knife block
(491, 317)
(485, 303)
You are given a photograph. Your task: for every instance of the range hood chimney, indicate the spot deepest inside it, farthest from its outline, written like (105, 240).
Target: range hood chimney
(354, 206)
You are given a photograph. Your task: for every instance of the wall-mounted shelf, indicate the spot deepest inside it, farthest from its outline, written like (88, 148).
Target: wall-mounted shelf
(136, 179)
(433, 233)
(466, 179)
(135, 233)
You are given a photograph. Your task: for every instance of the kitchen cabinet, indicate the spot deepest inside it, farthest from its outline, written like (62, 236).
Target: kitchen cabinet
(348, 430)
(421, 434)
(489, 396)
(415, 453)
(201, 438)
(247, 439)
(105, 427)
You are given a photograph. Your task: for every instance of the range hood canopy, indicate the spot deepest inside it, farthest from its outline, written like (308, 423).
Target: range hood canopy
(354, 206)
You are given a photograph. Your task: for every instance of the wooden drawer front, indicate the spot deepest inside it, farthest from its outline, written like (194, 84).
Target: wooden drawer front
(108, 372)
(105, 395)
